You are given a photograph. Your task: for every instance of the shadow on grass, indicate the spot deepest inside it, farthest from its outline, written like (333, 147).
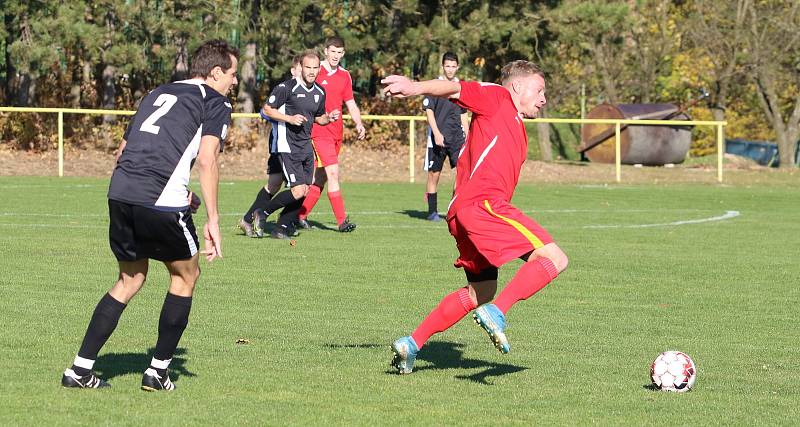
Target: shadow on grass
(651, 387)
(416, 214)
(447, 355)
(113, 365)
(343, 346)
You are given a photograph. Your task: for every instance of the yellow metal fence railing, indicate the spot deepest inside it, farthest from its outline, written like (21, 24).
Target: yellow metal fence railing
(719, 125)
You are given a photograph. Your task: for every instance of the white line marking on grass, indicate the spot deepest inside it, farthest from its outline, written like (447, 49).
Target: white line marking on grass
(728, 215)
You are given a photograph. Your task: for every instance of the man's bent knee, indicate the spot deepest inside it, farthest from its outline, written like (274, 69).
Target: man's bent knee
(554, 254)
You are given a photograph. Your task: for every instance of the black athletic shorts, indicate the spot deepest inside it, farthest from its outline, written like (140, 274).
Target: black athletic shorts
(137, 232)
(274, 164)
(298, 168)
(434, 157)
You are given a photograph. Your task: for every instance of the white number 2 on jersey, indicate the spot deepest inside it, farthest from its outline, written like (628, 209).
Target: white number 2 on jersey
(164, 102)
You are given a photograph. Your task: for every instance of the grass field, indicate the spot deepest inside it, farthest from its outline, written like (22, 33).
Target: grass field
(649, 271)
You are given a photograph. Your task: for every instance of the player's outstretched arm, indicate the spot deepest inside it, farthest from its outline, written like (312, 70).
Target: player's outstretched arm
(209, 184)
(403, 87)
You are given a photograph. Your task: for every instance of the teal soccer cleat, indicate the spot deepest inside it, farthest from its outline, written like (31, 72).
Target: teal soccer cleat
(405, 353)
(492, 320)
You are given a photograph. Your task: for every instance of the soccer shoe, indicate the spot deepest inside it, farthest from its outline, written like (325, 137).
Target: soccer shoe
(90, 380)
(303, 224)
(405, 353)
(434, 217)
(246, 227)
(259, 223)
(280, 232)
(151, 381)
(346, 226)
(492, 320)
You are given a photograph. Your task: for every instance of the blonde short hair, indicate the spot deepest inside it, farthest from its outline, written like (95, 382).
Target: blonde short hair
(518, 68)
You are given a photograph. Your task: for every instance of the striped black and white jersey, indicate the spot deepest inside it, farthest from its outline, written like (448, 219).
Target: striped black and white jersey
(163, 140)
(294, 97)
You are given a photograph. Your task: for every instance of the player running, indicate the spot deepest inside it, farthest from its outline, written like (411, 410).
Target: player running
(149, 206)
(275, 176)
(488, 230)
(447, 125)
(338, 87)
(295, 104)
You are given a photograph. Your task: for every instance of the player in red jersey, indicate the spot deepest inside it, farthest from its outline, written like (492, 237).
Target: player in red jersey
(327, 140)
(489, 231)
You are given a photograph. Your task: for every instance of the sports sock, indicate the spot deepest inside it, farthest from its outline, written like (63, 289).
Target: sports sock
(280, 200)
(531, 277)
(337, 203)
(173, 320)
(432, 203)
(261, 200)
(289, 213)
(450, 310)
(104, 320)
(312, 198)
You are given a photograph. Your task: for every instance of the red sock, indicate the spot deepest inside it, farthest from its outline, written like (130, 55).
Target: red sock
(337, 203)
(311, 199)
(450, 310)
(530, 278)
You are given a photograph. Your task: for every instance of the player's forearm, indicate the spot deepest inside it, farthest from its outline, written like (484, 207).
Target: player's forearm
(276, 115)
(322, 120)
(119, 150)
(208, 168)
(354, 111)
(440, 88)
(432, 122)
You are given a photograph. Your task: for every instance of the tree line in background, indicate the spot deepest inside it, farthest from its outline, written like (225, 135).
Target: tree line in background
(109, 53)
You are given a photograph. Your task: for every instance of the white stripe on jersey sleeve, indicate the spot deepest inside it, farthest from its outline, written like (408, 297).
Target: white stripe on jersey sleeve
(483, 155)
(175, 193)
(281, 140)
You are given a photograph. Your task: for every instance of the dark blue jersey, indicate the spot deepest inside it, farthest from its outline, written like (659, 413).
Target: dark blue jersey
(294, 97)
(448, 119)
(162, 141)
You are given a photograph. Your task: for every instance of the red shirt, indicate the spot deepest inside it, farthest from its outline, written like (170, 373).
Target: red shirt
(497, 146)
(338, 87)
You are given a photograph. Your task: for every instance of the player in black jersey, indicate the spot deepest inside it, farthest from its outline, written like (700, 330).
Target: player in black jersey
(275, 176)
(177, 125)
(447, 125)
(294, 105)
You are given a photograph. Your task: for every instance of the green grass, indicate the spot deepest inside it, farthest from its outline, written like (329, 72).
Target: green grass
(320, 315)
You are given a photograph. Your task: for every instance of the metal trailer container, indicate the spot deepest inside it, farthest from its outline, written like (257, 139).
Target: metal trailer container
(639, 144)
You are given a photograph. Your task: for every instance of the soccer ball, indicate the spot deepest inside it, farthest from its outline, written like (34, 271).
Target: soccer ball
(673, 371)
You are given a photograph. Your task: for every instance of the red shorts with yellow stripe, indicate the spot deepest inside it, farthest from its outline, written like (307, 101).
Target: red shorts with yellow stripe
(327, 151)
(493, 232)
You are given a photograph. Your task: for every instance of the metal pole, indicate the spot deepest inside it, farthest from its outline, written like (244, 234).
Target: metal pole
(720, 151)
(617, 155)
(60, 143)
(411, 132)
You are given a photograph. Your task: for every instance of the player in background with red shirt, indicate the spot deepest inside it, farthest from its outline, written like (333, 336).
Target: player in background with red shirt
(327, 140)
(489, 231)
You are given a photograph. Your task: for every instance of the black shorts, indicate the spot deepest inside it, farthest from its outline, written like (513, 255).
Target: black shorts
(137, 232)
(274, 164)
(298, 168)
(434, 157)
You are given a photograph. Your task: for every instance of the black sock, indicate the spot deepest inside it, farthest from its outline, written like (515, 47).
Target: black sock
(291, 213)
(432, 205)
(173, 320)
(104, 320)
(284, 198)
(261, 200)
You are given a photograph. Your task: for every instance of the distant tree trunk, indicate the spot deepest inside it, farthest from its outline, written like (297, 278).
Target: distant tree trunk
(545, 148)
(88, 92)
(181, 71)
(11, 71)
(75, 80)
(109, 92)
(246, 99)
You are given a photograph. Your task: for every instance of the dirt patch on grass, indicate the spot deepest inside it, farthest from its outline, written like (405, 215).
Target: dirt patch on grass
(362, 164)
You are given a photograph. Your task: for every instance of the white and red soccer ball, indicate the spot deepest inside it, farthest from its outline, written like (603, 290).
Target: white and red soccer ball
(673, 371)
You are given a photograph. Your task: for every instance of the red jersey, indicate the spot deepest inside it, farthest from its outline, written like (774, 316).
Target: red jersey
(338, 87)
(497, 146)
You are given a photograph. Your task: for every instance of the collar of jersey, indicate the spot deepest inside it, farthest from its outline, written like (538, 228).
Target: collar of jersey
(299, 81)
(330, 72)
(192, 81)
